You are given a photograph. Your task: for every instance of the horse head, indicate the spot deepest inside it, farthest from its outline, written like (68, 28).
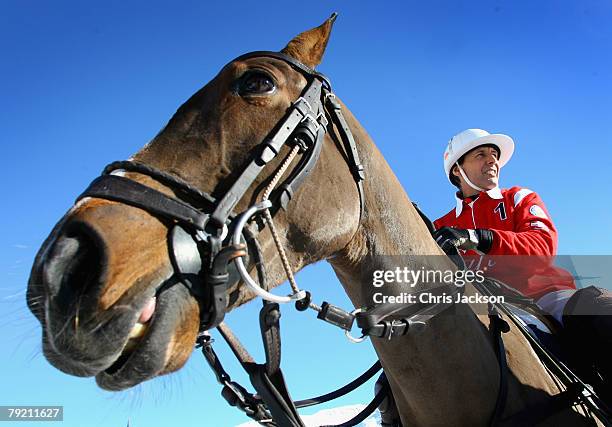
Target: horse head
(103, 283)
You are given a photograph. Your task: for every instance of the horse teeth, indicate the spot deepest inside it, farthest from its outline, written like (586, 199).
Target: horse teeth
(138, 331)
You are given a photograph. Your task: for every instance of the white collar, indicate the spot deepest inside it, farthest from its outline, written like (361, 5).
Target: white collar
(494, 193)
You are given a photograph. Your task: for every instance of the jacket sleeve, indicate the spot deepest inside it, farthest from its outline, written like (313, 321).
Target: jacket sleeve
(534, 232)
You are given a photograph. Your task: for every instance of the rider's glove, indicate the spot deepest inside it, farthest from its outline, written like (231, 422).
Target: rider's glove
(480, 239)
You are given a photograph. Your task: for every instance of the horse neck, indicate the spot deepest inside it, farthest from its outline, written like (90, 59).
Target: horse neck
(418, 367)
(390, 225)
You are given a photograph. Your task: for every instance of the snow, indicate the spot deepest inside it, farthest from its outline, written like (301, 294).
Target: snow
(333, 416)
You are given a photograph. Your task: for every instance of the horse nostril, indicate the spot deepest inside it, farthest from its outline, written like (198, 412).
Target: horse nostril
(73, 266)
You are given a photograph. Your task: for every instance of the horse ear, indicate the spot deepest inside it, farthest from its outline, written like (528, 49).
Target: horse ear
(308, 47)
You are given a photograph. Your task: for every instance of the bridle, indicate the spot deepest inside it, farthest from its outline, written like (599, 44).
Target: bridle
(206, 235)
(200, 248)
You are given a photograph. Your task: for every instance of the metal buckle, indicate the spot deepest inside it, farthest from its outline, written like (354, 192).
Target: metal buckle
(348, 335)
(204, 235)
(329, 95)
(389, 327)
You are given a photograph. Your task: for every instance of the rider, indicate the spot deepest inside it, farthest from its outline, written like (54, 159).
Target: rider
(493, 221)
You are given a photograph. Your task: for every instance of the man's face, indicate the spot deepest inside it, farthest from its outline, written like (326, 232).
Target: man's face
(481, 165)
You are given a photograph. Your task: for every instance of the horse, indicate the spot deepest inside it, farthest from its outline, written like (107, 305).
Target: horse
(102, 284)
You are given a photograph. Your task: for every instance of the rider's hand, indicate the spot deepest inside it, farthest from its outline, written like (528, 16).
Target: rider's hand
(468, 239)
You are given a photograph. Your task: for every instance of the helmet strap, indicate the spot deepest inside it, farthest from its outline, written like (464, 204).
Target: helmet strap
(467, 180)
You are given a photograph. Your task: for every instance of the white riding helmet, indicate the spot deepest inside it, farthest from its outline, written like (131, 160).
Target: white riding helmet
(471, 138)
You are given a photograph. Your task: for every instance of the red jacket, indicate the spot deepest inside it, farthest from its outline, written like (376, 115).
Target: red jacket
(520, 225)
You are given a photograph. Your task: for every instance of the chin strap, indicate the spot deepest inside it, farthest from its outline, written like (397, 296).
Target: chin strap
(467, 180)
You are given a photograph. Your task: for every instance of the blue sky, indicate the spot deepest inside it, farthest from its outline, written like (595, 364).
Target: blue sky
(83, 84)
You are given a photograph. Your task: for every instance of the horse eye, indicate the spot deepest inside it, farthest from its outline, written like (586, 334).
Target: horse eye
(256, 83)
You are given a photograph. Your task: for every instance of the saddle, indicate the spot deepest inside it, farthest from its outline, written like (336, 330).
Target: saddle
(541, 326)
